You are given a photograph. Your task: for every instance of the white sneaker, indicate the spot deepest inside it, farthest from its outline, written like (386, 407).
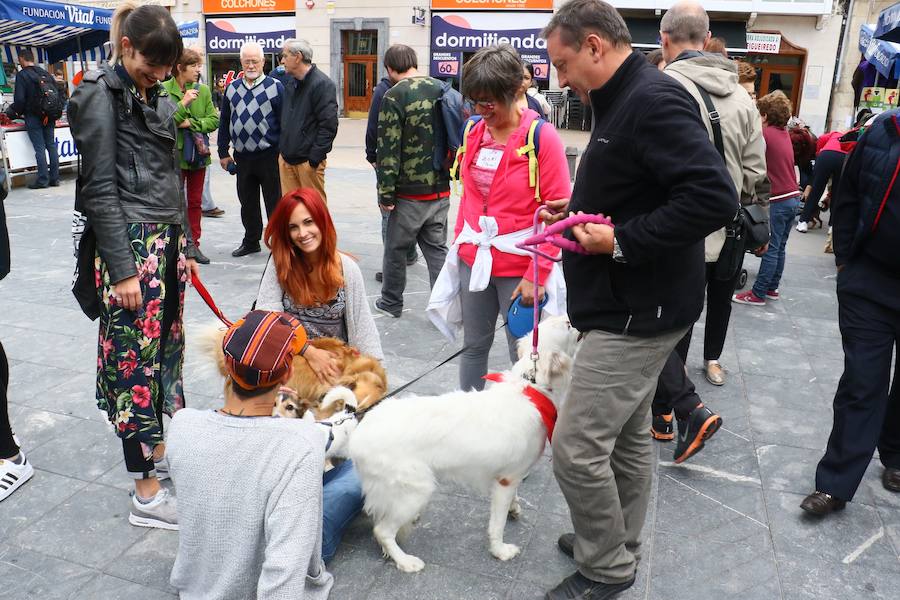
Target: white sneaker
(802, 227)
(161, 512)
(12, 476)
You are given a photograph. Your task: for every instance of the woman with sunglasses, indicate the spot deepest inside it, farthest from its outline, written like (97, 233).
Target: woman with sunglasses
(496, 210)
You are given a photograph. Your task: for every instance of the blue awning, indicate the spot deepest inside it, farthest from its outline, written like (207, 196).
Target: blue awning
(56, 27)
(884, 56)
(866, 33)
(888, 27)
(190, 29)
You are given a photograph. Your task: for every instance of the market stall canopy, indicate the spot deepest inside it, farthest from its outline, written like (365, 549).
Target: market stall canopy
(885, 56)
(189, 30)
(60, 29)
(888, 27)
(866, 33)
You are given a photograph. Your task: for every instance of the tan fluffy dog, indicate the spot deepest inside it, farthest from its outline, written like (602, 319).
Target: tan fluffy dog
(361, 373)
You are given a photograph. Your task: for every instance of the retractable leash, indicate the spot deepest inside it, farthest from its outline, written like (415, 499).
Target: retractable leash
(552, 234)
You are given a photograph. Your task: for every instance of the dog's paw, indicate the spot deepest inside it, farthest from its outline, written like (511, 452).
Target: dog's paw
(412, 564)
(505, 551)
(515, 510)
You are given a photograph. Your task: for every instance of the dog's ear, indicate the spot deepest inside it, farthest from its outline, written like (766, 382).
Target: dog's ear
(560, 363)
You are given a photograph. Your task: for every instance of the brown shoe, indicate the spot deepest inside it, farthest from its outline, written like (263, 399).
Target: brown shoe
(715, 374)
(890, 479)
(213, 212)
(821, 504)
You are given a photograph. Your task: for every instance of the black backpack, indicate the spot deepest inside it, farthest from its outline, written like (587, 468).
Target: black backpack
(449, 118)
(47, 102)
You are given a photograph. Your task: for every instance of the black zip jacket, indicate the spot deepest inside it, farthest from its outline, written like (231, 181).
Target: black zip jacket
(25, 91)
(309, 118)
(129, 169)
(651, 168)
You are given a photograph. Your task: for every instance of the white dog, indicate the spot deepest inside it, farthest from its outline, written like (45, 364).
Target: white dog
(487, 441)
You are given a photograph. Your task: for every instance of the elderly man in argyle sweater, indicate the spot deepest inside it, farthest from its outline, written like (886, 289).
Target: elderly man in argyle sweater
(251, 121)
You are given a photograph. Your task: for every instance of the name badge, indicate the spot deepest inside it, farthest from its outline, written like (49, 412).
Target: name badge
(489, 158)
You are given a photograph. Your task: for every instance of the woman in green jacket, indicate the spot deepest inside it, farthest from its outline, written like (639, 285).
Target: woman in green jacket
(196, 113)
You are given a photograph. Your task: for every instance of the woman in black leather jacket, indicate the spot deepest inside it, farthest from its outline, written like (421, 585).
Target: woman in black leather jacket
(121, 120)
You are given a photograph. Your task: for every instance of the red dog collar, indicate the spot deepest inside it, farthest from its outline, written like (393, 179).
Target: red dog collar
(540, 401)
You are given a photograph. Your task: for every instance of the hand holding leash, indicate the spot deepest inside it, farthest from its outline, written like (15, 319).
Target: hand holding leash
(590, 241)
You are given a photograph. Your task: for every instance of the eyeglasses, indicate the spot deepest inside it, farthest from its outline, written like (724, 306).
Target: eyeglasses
(251, 61)
(485, 104)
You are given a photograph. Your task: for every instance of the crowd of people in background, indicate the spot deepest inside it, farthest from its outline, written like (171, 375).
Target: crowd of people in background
(681, 149)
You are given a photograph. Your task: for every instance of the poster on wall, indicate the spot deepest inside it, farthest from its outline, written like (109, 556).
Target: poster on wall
(454, 36)
(227, 35)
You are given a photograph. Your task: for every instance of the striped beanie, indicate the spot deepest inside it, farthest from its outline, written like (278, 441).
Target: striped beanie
(259, 348)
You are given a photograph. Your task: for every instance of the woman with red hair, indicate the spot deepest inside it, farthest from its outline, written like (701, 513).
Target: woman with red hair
(308, 278)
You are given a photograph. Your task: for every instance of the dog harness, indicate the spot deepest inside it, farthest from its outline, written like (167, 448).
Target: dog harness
(540, 401)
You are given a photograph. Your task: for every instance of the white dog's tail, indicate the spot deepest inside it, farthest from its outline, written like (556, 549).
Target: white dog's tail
(339, 393)
(209, 340)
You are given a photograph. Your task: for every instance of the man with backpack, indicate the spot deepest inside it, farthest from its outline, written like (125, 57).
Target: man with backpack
(413, 180)
(38, 100)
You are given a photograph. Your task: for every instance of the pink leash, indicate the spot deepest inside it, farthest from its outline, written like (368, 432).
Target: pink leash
(552, 234)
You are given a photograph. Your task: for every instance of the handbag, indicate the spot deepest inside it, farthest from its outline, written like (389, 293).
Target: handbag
(755, 222)
(196, 148)
(84, 240)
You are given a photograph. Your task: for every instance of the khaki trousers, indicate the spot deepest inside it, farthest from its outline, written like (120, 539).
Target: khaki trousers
(602, 452)
(301, 176)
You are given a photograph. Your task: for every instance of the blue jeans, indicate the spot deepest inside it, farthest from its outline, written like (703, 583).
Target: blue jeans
(44, 142)
(781, 221)
(342, 500)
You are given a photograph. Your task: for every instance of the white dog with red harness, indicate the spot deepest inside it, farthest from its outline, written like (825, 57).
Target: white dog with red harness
(486, 441)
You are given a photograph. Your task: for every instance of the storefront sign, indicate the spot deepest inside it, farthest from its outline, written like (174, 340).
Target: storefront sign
(492, 4)
(212, 7)
(455, 34)
(21, 152)
(763, 43)
(226, 36)
(51, 13)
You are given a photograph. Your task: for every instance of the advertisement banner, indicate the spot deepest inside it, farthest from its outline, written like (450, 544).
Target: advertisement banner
(211, 7)
(21, 152)
(226, 36)
(492, 4)
(763, 43)
(453, 35)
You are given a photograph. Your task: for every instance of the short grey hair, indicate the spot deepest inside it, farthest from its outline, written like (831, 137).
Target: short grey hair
(252, 48)
(301, 47)
(493, 74)
(686, 23)
(577, 19)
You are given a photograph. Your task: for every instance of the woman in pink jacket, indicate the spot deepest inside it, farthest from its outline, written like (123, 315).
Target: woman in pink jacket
(497, 207)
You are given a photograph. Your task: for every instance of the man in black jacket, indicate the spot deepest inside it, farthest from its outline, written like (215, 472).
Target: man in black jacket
(309, 120)
(867, 253)
(650, 167)
(399, 58)
(41, 134)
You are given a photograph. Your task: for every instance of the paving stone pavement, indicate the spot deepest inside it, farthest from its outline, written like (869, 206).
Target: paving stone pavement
(724, 525)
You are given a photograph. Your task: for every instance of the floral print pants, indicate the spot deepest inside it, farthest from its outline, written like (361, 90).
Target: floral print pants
(140, 353)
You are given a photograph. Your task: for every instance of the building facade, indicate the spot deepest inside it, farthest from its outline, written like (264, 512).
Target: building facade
(793, 43)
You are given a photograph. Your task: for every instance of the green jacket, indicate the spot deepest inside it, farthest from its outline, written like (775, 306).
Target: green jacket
(405, 141)
(202, 114)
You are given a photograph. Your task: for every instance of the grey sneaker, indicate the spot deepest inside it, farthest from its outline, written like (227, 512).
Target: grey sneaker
(161, 512)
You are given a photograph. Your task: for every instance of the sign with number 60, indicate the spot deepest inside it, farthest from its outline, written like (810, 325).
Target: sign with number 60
(449, 67)
(541, 70)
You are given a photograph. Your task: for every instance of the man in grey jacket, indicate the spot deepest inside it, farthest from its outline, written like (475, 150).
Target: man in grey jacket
(684, 30)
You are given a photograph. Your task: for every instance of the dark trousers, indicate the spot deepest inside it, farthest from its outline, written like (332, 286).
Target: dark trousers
(8, 447)
(867, 403)
(828, 167)
(675, 390)
(257, 173)
(413, 221)
(44, 142)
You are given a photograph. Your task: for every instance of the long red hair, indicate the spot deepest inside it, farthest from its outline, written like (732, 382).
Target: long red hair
(308, 280)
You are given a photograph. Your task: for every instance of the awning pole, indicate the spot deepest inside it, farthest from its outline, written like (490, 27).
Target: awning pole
(80, 53)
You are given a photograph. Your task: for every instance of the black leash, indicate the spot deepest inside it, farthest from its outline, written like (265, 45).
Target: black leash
(359, 414)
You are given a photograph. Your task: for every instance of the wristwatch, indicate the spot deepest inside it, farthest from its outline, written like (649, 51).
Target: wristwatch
(617, 251)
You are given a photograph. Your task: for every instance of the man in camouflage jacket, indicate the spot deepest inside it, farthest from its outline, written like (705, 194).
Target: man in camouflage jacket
(417, 195)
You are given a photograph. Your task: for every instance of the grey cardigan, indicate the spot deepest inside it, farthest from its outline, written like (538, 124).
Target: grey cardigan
(361, 331)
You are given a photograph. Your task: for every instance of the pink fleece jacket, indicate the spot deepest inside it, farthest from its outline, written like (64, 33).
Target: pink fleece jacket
(511, 201)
